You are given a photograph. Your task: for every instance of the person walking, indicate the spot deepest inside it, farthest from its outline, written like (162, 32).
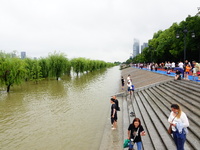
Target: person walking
(187, 71)
(194, 73)
(179, 122)
(156, 67)
(135, 131)
(173, 65)
(113, 114)
(181, 65)
(122, 81)
(130, 88)
(197, 69)
(129, 79)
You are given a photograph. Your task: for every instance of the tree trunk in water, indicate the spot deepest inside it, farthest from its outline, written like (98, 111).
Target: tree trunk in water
(8, 88)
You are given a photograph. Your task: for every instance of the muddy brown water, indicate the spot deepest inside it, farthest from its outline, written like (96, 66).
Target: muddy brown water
(69, 114)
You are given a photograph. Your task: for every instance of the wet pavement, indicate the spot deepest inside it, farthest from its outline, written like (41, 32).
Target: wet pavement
(113, 139)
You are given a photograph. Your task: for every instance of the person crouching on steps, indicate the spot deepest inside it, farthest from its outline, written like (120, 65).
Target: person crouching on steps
(135, 131)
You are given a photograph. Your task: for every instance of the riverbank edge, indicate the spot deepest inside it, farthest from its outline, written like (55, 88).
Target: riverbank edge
(109, 140)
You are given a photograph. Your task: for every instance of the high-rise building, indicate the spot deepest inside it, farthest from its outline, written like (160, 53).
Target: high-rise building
(143, 46)
(23, 55)
(136, 47)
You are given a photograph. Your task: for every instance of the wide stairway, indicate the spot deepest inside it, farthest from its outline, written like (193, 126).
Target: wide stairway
(152, 105)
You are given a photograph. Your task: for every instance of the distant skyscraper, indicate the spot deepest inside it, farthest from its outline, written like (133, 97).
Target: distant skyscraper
(136, 47)
(23, 55)
(143, 46)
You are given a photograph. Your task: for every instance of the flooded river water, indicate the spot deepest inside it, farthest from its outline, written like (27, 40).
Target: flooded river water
(68, 114)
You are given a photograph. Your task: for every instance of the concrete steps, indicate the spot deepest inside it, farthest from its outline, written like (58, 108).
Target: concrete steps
(152, 106)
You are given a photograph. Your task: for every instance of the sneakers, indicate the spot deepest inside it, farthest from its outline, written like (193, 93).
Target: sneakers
(113, 128)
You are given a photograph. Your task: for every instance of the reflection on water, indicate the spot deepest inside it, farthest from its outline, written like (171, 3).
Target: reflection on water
(57, 115)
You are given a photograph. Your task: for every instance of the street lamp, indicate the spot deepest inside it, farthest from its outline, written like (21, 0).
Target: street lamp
(185, 31)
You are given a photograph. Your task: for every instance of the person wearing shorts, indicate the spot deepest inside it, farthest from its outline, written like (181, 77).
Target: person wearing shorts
(129, 85)
(187, 71)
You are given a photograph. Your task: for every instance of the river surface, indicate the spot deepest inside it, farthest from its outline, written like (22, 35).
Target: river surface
(69, 114)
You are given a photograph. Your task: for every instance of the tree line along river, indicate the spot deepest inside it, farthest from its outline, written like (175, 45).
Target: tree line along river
(66, 114)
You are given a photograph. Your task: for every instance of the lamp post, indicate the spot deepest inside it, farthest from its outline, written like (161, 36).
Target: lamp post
(185, 31)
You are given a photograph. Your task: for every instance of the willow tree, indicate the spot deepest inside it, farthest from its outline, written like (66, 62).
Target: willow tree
(44, 64)
(58, 64)
(78, 65)
(35, 72)
(12, 71)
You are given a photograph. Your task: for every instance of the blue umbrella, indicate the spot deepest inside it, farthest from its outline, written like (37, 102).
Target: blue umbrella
(179, 69)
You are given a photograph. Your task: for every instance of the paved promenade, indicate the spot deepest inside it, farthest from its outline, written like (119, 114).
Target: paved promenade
(154, 93)
(113, 139)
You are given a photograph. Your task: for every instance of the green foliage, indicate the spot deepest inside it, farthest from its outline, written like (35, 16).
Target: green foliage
(58, 64)
(44, 64)
(81, 65)
(12, 71)
(36, 74)
(166, 47)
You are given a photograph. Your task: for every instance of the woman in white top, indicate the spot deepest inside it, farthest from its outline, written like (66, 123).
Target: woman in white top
(130, 88)
(179, 122)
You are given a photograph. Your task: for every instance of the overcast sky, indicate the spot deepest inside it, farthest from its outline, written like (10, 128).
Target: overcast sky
(94, 29)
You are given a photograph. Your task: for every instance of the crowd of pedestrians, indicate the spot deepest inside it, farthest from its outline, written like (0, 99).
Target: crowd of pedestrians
(177, 118)
(185, 68)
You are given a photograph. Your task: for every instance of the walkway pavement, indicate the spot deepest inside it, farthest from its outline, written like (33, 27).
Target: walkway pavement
(113, 139)
(141, 78)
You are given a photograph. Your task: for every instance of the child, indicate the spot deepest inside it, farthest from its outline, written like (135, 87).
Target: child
(187, 71)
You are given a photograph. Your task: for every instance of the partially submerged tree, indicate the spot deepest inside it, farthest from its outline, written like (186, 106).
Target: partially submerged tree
(58, 64)
(12, 71)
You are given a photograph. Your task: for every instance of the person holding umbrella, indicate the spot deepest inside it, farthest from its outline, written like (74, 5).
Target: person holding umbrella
(178, 75)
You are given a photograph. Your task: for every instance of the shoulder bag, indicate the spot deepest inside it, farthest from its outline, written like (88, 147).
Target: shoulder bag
(170, 127)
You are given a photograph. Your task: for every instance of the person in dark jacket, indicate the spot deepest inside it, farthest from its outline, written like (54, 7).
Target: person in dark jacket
(178, 75)
(113, 114)
(116, 102)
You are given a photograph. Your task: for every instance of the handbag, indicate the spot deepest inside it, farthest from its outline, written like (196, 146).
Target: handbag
(170, 126)
(126, 143)
(118, 109)
(170, 129)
